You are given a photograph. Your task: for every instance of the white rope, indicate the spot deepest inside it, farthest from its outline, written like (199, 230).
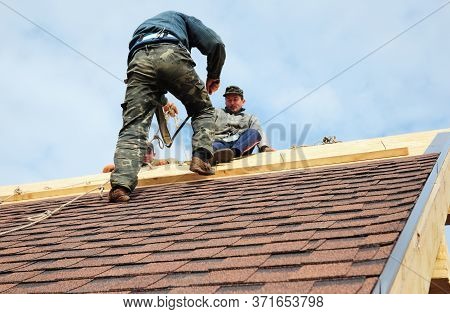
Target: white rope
(40, 217)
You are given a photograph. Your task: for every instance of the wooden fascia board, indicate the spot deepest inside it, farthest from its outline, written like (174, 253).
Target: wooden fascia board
(415, 273)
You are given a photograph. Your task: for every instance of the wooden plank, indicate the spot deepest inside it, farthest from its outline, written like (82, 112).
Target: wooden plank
(252, 166)
(415, 273)
(442, 264)
(265, 162)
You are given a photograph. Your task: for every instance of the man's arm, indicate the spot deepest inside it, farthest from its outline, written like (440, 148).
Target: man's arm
(210, 45)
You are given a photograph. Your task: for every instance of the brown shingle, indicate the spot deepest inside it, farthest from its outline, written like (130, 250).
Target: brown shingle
(234, 233)
(366, 253)
(269, 248)
(336, 255)
(11, 266)
(66, 274)
(111, 260)
(195, 290)
(286, 259)
(297, 287)
(342, 286)
(142, 269)
(6, 286)
(48, 287)
(51, 264)
(368, 285)
(224, 263)
(182, 255)
(17, 276)
(187, 245)
(141, 248)
(338, 233)
(367, 268)
(14, 250)
(302, 227)
(118, 283)
(274, 274)
(74, 253)
(23, 257)
(240, 289)
(204, 278)
(322, 271)
(380, 239)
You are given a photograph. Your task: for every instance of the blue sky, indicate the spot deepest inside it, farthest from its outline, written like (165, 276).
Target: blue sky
(60, 114)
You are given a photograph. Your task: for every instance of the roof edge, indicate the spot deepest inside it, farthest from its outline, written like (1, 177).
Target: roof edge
(441, 145)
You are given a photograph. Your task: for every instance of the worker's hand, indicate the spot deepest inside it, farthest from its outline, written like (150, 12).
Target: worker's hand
(212, 85)
(267, 149)
(109, 168)
(170, 109)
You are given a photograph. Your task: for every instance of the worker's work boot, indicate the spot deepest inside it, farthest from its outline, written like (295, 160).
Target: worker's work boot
(223, 155)
(119, 195)
(201, 167)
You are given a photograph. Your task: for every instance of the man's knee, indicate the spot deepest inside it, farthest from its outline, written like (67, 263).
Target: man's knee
(253, 134)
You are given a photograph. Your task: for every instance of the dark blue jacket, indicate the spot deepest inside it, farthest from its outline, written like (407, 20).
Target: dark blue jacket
(191, 32)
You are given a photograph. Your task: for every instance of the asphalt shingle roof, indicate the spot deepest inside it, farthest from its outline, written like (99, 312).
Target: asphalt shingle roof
(323, 230)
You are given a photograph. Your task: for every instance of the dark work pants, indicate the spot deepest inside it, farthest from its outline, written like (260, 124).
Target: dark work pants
(151, 74)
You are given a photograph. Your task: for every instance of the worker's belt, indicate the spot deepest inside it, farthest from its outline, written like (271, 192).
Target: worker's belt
(157, 37)
(149, 39)
(154, 38)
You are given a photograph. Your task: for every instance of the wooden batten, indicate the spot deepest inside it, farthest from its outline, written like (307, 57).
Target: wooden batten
(418, 265)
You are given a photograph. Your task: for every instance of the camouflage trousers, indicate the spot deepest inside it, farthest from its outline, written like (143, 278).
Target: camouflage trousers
(152, 73)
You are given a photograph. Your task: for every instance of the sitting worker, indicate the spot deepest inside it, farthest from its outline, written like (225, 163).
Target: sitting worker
(148, 161)
(237, 133)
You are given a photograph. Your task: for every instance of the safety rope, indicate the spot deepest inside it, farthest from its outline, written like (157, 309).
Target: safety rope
(177, 125)
(48, 213)
(159, 140)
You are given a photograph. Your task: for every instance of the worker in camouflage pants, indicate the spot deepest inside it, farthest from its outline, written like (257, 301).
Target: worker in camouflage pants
(160, 62)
